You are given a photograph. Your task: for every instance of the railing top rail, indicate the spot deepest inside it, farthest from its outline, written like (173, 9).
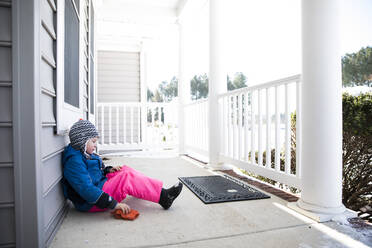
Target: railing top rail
(277, 82)
(196, 102)
(150, 104)
(160, 104)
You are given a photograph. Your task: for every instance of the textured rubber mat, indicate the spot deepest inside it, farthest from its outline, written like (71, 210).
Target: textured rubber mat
(213, 189)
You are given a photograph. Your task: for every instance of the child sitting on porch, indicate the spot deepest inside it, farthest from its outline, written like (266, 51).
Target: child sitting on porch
(93, 187)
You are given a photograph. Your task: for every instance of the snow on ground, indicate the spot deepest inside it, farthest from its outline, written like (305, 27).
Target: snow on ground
(357, 90)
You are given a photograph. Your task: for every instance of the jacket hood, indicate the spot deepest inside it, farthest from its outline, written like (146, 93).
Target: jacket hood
(69, 152)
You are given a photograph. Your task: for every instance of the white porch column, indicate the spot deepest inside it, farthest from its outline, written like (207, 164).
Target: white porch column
(321, 111)
(183, 88)
(217, 77)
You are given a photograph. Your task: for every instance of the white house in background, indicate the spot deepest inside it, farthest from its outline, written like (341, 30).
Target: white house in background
(48, 61)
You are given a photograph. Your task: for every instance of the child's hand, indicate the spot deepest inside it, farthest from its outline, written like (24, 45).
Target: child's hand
(124, 207)
(116, 168)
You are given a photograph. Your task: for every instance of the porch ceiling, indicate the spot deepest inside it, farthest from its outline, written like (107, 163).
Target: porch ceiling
(140, 11)
(127, 23)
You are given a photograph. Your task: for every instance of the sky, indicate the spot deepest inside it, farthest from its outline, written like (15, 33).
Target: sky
(263, 40)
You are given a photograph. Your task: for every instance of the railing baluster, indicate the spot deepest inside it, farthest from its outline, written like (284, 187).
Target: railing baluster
(277, 130)
(198, 131)
(131, 124)
(202, 133)
(205, 121)
(235, 126)
(246, 129)
(103, 124)
(202, 122)
(197, 127)
(139, 125)
(239, 122)
(151, 126)
(223, 139)
(191, 126)
(298, 129)
(253, 152)
(117, 124)
(259, 128)
(110, 125)
(203, 129)
(188, 135)
(229, 150)
(268, 131)
(287, 133)
(124, 124)
(143, 109)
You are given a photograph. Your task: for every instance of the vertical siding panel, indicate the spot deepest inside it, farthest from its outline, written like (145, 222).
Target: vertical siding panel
(5, 63)
(54, 203)
(6, 144)
(7, 216)
(6, 185)
(7, 226)
(6, 24)
(47, 109)
(52, 171)
(5, 104)
(46, 77)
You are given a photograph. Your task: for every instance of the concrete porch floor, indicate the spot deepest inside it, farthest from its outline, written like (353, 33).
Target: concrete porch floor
(191, 223)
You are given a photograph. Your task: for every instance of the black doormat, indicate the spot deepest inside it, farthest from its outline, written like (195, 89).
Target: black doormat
(213, 189)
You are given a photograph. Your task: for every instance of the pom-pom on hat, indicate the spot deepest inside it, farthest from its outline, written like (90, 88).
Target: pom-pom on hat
(81, 132)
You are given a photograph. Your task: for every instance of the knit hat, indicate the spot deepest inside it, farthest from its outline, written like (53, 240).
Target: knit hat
(80, 133)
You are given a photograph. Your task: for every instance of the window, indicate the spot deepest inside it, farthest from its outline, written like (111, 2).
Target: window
(74, 56)
(91, 59)
(71, 54)
(69, 82)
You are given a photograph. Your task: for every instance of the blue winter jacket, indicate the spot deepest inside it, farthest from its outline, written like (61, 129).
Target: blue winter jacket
(83, 178)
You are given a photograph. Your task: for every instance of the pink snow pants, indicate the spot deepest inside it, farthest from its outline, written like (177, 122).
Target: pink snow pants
(128, 181)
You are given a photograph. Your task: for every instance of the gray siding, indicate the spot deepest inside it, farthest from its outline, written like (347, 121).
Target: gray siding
(53, 202)
(32, 204)
(118, 76)
(7, 210)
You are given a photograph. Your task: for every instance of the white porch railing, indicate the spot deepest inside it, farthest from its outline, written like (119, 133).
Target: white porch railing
(196, 127)
(256, 121)
(135, 125)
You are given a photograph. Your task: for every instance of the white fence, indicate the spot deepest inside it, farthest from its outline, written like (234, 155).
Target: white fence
(256, 121)
(196, 127)
(134, 125)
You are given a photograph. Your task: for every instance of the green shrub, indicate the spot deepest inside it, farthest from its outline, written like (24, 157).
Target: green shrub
(357, 151)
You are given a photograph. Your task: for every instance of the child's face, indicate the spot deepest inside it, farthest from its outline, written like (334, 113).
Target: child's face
(92, 145)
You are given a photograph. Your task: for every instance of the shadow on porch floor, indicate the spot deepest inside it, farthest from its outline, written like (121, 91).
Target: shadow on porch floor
(190, 223)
